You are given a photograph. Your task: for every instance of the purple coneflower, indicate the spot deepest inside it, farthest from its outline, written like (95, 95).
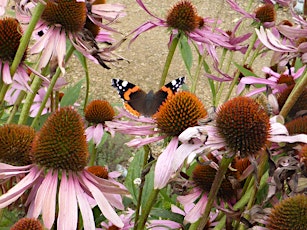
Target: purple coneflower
(242, 127)
(67, 19)
(10, 35)
(183, 18)
(58, 181)
(96, 114)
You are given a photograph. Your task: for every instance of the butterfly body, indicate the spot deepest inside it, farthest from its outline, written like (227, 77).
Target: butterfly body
(138, 102)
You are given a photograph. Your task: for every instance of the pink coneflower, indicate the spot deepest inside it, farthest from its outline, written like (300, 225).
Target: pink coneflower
(60, 154)
(183, 18)
(10, 35)
(96, 114)
(127, 218)
(173, 117)
(264, 15)
(277, 82)
(242, 127)
(67, 19)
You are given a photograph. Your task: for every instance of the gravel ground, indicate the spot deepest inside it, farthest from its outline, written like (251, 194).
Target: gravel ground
(148, 53)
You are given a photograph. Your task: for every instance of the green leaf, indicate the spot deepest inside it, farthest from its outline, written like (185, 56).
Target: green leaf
(186, 53)
(244, 71)
(134, 171)
(166, 214)
(71, 94)
(82, 59)
(148, 186)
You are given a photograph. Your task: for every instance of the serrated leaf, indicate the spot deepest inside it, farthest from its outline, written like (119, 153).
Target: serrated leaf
(186, 52)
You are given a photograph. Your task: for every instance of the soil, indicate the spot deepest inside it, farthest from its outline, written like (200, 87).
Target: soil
(146, 56)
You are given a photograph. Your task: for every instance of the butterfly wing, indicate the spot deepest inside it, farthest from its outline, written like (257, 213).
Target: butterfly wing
(167, 92)
(133, 96)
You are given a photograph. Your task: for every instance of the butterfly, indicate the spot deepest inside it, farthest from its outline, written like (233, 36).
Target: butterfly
(138, 102)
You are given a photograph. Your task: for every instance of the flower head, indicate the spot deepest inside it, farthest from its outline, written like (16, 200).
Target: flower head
(203, 176)
(244, 125)
(16, 143)
(179, 113)
(290, 213)
(67, 19)
(61, 144)
(96, 114)
(58, 179)
(10, 35)
(28, 223)
(183, 16)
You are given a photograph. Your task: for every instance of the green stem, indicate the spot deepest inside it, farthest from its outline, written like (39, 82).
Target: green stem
(213, 192)
(197, 73)
(235, 79)
(50, 87)
(93, 156)
(169, 59)
(139, 201)
(87, 90)
(147, 209)
(294, 95)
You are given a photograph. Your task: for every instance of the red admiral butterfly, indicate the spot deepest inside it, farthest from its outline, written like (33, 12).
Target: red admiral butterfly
(137, 102)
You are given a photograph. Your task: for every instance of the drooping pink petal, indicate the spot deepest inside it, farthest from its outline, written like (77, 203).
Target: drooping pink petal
(15, 192)
(103, 204)
(98, 133)
(163, 169)
(48, 211)
(196, 212)
(68, 209)
(6, 75)
(85, 208)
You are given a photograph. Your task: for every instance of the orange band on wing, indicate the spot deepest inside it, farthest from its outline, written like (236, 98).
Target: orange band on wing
(131, 110)
(168, 91)
(129, 91)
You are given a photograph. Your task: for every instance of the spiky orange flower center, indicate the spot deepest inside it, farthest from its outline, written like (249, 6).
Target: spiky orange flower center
(266, 13)
(302, 154)
(244, 125)
(61, 142)
(99, 111)
(99, 171)
(10, 35)
(70, 14)
(183, 16)
(290, 213)
(27, 223)
(286, 79)
(15, 144)
(203, 176)
(300, 104)
(297, 126)
(179, 113)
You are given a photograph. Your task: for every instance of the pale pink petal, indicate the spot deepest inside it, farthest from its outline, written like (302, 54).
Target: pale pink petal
(68, 209)
(103, 204)
(98, 133)
(181, 153)
(289, 139)
(163, 169)
(15, 192)
(177, 210)
(49, 202)
(139, 142)
(6, 75)
(85, 208)
(60, 48)
(163, 224)
(89, 132)
(197, 211)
